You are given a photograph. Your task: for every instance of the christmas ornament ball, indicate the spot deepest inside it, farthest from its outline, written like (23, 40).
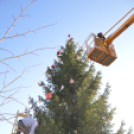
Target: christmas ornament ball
(58, 52)
(52, 66)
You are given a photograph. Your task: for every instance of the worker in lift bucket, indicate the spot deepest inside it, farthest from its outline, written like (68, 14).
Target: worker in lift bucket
(27, 125)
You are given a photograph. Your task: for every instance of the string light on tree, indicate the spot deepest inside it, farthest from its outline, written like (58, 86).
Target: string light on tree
(39, 101)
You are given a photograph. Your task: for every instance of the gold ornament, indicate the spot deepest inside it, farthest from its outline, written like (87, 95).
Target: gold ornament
(39, 101)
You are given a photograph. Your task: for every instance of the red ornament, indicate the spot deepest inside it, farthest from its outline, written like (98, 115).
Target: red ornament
(69, 35)
(52, 66)
(72, 38)
(58, 52)
(48, 96)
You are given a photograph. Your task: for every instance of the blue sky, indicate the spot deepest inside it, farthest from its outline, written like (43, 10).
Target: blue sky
(78, 18)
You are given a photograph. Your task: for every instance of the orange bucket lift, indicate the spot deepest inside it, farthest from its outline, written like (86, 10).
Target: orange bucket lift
(100, 52)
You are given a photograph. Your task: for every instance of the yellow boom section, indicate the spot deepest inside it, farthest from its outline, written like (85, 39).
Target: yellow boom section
(121, 29)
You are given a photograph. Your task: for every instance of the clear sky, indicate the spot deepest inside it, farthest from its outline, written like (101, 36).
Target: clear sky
(78, 18)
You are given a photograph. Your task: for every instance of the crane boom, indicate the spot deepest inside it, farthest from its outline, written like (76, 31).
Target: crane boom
(103, 51)
(122, 28)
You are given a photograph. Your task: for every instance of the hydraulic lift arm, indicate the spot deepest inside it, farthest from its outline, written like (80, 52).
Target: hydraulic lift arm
(121, 29)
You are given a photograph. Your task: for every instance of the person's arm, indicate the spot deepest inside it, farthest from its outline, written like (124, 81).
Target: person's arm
(33, 128)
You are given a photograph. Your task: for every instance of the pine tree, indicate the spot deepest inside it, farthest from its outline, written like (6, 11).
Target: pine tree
(75, 106)
(98, 115)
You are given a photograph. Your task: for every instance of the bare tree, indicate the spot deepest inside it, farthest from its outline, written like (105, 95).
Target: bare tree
(7, 99)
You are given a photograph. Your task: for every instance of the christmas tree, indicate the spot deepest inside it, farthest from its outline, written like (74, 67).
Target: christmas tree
(71, 103)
